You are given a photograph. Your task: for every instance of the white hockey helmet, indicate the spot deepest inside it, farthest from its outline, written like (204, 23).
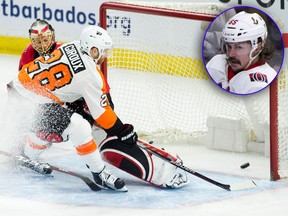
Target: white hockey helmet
(95, 36)
(245, 27)
(42, 36)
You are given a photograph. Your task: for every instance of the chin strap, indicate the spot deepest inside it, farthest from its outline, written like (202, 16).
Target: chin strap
(252, 58)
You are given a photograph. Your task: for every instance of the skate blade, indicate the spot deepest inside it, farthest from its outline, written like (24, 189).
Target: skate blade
(123, 189)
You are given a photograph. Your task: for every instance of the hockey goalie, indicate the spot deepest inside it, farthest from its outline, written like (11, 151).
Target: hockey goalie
(141, 163)
(138, 160)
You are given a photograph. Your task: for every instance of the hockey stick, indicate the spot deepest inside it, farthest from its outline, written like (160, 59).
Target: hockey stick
(47, 169)
(85, 179)
(171, 159)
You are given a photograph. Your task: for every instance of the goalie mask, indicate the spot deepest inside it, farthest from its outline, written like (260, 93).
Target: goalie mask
(42, 36)
(95, 36)
(244, 27)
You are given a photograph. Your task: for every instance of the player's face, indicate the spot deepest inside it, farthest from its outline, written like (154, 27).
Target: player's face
(95, 55)
(42, 43)
(238, 55)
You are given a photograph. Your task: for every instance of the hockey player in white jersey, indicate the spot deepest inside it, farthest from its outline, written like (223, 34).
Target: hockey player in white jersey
(243, 69)
(71, 73)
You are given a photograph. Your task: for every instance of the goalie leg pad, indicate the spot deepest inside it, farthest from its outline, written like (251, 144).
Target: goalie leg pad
(131, 160)
(140, 163)
(167, 175)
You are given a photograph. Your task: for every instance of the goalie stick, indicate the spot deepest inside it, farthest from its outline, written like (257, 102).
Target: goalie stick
(169, 158)
(172, 160)
(45, 168)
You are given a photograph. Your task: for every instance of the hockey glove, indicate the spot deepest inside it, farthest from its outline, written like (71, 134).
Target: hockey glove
(127, 136)
(79, 106)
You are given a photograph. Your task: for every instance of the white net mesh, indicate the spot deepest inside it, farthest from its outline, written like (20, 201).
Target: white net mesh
(199, 7)
(159, 82)
(283, 122)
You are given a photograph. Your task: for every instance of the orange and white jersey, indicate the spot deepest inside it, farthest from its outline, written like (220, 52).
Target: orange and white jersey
(65, 76)
(250, 80)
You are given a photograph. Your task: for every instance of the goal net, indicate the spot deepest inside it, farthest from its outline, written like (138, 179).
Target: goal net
(159, 82)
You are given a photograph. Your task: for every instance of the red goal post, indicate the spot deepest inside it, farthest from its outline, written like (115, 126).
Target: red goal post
(257, 107)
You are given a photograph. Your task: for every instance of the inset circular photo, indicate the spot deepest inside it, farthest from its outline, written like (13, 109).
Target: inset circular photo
(243, 50)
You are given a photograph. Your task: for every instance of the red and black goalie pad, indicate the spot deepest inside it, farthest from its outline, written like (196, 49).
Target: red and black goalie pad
(133, 160)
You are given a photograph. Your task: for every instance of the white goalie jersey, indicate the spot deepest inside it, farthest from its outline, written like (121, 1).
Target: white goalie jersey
(245, 82)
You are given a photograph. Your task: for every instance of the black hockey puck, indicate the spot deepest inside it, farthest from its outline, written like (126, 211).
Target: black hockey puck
(245, 165)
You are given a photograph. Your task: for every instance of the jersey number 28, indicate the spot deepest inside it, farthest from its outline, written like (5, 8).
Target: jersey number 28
(54, 77)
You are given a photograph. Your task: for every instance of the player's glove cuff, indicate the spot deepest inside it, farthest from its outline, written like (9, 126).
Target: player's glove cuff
(128, 136)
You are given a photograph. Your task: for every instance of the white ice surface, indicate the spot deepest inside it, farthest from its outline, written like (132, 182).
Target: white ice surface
(27, 193)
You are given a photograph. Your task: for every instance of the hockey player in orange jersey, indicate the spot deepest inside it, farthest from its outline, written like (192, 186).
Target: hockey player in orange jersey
(43, 43)
(42, 38)
(70, 73)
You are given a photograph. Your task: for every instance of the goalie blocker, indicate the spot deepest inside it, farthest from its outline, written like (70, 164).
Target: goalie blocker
(141, 164)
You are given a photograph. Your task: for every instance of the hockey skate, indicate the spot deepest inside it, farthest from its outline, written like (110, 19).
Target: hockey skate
(106, 180)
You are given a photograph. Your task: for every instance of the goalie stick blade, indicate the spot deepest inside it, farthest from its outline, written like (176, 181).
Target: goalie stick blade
(243, 186)
(164, 156)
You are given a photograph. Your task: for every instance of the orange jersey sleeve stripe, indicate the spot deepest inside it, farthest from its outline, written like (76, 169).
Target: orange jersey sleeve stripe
(107, 119)
(87, 148)
(29, 84)
(36, 146)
